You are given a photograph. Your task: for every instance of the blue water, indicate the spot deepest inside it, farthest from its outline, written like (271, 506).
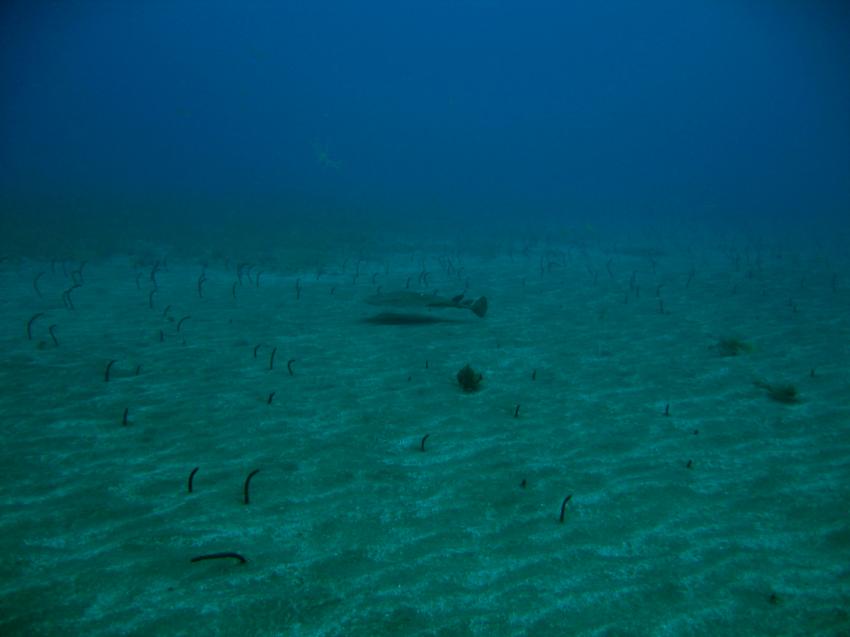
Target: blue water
(274, 218)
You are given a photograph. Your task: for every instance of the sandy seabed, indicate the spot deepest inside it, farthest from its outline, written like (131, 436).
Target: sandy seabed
(729, 516)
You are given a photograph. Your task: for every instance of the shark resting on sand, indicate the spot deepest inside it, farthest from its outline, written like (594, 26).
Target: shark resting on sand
(406, 300)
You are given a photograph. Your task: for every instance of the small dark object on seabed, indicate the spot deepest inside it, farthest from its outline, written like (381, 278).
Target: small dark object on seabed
(732, 346)
(248, 484)
(469, 379)
(32, 320)
(219, 556)
(783, 393)
(564, 507)
(192, 477)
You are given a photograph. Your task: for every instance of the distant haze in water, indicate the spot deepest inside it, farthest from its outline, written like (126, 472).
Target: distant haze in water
(140, 117)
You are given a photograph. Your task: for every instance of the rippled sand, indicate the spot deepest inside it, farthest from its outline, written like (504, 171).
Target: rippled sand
(351, 529)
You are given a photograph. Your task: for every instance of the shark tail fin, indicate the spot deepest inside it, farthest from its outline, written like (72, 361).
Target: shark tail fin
(480, 306)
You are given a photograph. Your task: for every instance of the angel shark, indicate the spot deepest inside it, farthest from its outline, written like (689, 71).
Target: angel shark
(404, 299)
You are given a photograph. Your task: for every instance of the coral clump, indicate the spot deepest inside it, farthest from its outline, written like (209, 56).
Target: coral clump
(782, 393)
(469, 379)
(733, 347)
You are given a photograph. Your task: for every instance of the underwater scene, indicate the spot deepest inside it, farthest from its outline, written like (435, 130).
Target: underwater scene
(425, 319)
